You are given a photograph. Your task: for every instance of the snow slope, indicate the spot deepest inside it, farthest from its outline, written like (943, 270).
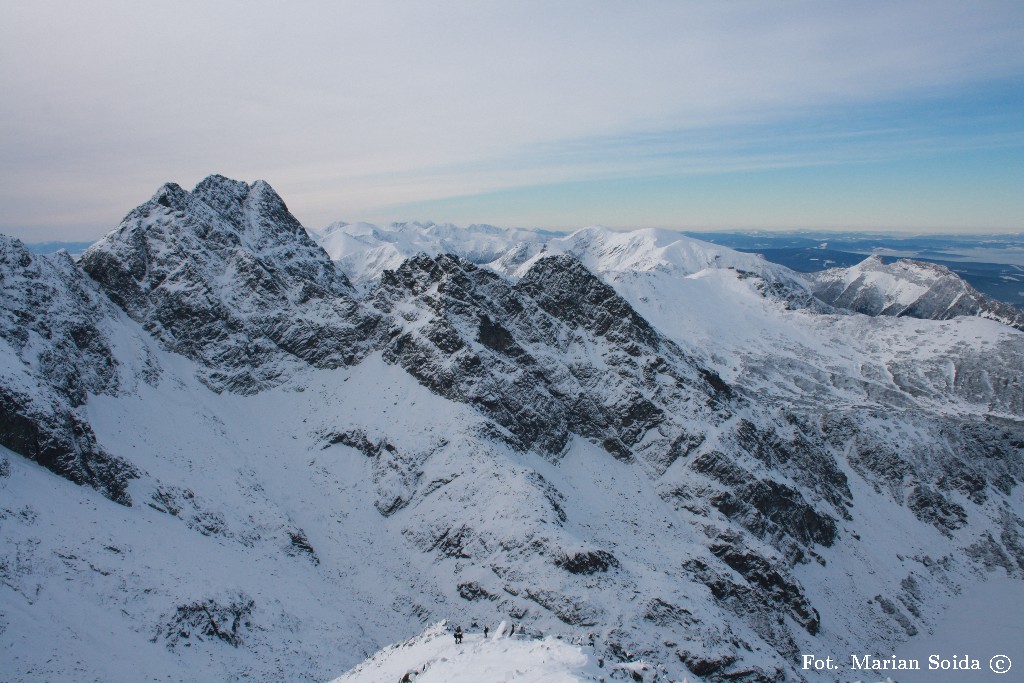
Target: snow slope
(967, 366)
(605, 251)
(433, 657)
(245, 504)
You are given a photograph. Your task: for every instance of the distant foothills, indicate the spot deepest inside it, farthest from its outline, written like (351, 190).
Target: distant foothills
(993, 264)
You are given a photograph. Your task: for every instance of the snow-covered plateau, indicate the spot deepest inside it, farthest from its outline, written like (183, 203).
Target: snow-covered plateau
(232, 448)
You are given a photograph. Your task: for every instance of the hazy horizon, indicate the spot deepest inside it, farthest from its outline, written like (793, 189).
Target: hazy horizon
(810, 233)
(824, 232)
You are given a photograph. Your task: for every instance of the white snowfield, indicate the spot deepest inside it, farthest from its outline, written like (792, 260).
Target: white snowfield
(434, 657)
(605, 251)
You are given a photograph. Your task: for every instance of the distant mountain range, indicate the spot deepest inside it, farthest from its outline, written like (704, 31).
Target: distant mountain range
(992, 264)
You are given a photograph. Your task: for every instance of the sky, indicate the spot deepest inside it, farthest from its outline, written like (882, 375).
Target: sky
(904, 116)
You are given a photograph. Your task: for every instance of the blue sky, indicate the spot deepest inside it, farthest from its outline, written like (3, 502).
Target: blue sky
(946, 161)
(788, 115)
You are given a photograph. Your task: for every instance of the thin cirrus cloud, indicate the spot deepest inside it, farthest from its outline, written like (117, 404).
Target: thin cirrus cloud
(373, 110)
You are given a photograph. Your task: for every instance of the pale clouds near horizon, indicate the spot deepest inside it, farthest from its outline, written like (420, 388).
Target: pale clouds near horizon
(349, 108)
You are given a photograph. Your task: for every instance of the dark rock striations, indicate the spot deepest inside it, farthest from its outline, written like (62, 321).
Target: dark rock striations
(56, 353)
(557, 354)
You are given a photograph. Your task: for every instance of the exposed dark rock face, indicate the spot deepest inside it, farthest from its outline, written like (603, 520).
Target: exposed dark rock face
(474, 591)
(183, 504)
(975, 459)
(441, 300)
(931, 506)
(591, 562)
(226, 276)
(566, 290)
(804, 456)
(791, 292)
(890, 608)
(50, 317)
(530, 356)
(768, 578)
(750, 604)
(210, 620)
(395, 473)
(46, 429)
(762, 507)
(50, 329)
(768, 509)
(300, 545)
(573, 612)
(356, 438)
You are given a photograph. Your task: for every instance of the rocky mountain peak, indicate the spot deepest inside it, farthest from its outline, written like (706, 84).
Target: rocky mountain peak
(421, 272)
(50, 320)
(255, 209)
(558, 353)
(172, 196)
(224, 195)
(228, 277)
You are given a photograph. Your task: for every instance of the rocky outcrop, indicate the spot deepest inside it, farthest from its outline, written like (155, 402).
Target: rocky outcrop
(211, 620)
(559, 353)
(56, 352)
(51, 318)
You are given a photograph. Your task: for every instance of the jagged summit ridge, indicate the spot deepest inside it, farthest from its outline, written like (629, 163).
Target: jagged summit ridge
(554, 354)
(257, 210)
(228, 277)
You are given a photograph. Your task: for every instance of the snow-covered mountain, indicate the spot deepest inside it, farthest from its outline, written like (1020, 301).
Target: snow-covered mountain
(653, 449)
(363, 251)
(608, 251)
(227, 277)
(908, 288)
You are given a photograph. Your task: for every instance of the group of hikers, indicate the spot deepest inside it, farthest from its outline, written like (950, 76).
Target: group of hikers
(459, 635)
